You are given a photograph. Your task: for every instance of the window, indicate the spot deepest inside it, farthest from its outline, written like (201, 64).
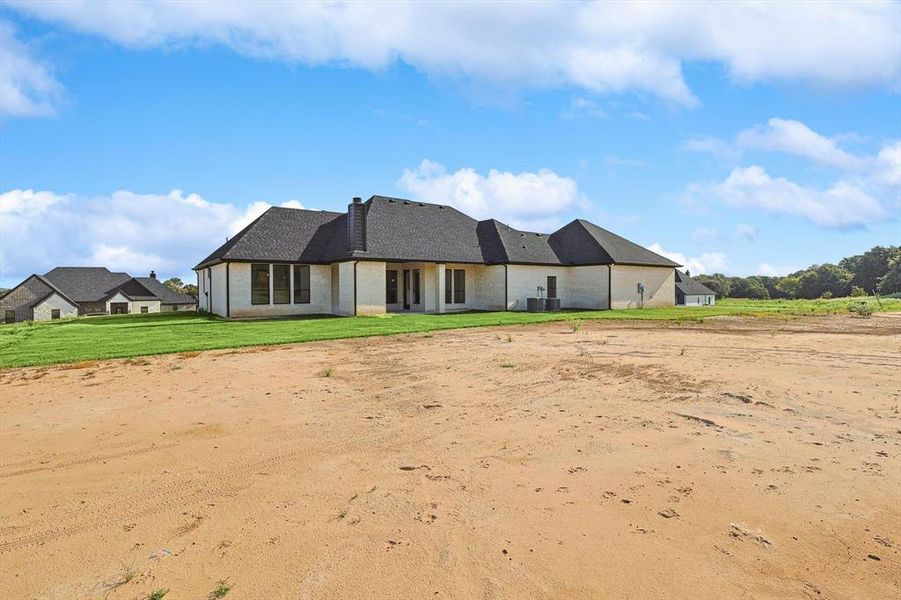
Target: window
(448, 286)
(175, 307)
(459, 286)
(301, 284)
(259, 284)
(416, 287)
(551, 286)
(144, 309)
(391, 286)
(281, 284)
(9, 316)
(54, 313)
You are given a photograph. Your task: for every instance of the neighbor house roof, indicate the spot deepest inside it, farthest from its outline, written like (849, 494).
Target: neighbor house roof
(45, 289)
(86, 284)
(689, 287)
(166, 294)
(406, 230)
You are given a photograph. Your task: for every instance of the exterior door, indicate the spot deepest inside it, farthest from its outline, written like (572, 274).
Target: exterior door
(118, 308)
(407, 291)
(551, 286)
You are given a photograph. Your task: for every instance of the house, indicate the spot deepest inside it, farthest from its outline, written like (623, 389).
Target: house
(692, 293)
(394, 255)
(74, 291)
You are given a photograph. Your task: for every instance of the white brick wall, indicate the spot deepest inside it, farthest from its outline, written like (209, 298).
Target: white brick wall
(217, 289)
(370, 287)
(577, 287)
(240, 294)
(659, 283)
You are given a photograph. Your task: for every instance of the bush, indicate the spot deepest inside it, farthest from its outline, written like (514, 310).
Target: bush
(857, 291)
(863, 309)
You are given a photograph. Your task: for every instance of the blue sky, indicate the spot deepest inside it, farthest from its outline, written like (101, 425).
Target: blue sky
(140, 135)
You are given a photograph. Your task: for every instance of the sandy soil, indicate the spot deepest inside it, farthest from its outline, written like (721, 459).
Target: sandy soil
(734, 458)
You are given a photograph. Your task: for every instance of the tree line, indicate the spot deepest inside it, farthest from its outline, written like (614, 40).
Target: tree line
(876, 271)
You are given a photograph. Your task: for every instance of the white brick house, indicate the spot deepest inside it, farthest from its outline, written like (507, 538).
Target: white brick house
(396, 255)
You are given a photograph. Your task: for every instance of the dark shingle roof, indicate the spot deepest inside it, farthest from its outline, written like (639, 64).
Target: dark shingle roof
(164, 293)
(85, 284)
(405, 230)
(690, 287)
(282, 234)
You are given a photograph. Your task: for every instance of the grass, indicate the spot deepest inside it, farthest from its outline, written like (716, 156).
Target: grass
(79, 342)
(157, 594)
(222, 589)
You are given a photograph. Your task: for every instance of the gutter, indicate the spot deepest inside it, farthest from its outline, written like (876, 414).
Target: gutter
(506, 298)
(610, 286)
(227, 292)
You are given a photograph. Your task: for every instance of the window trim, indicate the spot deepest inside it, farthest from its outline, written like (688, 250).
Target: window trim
(286, 290)
(298, 290)
(254, 267)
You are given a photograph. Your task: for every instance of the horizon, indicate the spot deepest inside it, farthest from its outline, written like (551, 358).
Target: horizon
(140, 138)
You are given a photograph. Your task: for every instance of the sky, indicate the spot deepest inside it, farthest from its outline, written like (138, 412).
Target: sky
(743, 138)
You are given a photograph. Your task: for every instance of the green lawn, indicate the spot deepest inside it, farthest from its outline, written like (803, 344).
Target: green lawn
(126, 336)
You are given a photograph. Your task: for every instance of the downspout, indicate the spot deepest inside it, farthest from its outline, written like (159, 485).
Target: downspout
(227, 293)
(209, 290)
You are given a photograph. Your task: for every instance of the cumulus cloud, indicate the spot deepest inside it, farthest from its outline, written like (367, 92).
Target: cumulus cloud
(27, 86)
(842, 205)
(601, 47)
(529, 200)
(706, 263)
(125, 231)
(794, 137)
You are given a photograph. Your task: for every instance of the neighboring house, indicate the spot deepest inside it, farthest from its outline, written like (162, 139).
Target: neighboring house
(392, 255)
(692, 293)
(74, 291)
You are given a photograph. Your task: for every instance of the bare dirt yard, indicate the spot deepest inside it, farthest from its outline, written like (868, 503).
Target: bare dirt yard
(733, 458)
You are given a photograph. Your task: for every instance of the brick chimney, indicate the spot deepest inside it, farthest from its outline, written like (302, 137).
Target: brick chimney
(153, 274)
(356, 226)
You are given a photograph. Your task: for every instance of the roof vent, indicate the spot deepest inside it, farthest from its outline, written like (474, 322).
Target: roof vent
(391, 200)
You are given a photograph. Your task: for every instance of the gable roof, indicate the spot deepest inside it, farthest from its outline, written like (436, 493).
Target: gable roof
(690, 287)
(406, 230)
(43, 290)
(163, 292)
(85, 284)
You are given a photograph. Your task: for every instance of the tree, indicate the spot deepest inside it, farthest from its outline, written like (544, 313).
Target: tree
(191, 290)
(871, 266)
(891, 281)
(819, 279)
(788, 286)
(175, 284)
(717, 282)
(748, 287)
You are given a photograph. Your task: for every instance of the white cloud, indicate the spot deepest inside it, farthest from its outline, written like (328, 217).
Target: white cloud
(794, 137)
(842, 205)
(887, 170)
(27, 86)
(706, 263)
(746, 232)
(776, 270)
(601, 47)
(528, 200)
(125, 231)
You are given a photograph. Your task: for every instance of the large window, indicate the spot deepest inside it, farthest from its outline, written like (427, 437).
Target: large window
(281, 284)
(391, 286)
(259, 284)
(416, 287)
(459, 286)
(54, 313)
(448, 286)
(144, 309)
(10, 316)
(301, 284)
(551, 286)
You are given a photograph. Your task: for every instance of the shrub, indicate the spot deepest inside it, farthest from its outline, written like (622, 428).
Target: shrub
(857, 291)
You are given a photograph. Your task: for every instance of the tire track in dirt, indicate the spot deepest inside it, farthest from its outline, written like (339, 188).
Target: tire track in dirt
(95, 458)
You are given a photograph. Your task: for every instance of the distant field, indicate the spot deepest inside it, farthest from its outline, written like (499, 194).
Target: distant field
(127, 336)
